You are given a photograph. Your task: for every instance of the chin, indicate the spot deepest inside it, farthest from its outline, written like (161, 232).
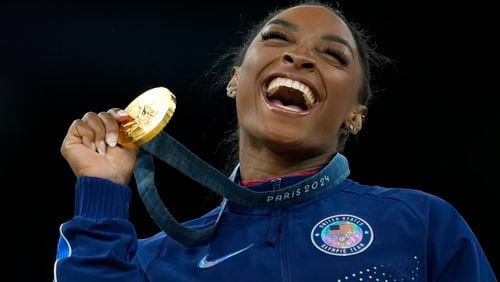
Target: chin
(285, 143)
(283, 134)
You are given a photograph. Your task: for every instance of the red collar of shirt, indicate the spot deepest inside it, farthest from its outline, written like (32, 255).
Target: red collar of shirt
(259, 181)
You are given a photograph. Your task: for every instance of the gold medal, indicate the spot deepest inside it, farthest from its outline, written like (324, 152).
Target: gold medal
(149, 114)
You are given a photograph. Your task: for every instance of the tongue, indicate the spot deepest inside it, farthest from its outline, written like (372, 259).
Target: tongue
(278, 103)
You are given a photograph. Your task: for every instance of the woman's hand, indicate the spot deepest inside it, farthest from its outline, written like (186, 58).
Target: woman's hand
(90, 147)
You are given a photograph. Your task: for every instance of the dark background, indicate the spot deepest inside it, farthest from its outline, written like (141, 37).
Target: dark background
(433, 125)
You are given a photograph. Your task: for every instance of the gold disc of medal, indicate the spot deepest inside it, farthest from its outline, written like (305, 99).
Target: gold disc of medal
(149, 113)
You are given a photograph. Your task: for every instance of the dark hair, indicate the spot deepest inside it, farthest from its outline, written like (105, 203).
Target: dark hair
(369, 58)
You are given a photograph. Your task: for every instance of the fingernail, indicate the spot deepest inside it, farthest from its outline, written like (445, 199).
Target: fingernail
(111, 139)
(122, 113)
(101, 147)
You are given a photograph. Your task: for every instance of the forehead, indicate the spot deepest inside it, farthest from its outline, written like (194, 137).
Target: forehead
(317, 18)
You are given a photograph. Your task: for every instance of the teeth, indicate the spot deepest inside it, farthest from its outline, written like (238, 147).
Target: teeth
(286, 82)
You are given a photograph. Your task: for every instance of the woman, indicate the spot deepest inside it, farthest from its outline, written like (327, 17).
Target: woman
(301, 87)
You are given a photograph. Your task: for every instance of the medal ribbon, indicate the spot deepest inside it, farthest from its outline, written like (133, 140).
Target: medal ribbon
(170, 151)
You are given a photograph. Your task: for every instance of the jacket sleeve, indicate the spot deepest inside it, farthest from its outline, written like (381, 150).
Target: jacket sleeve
(455, 253)
(99, 243)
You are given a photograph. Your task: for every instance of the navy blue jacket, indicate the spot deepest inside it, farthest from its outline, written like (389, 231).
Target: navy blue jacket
(353, 232)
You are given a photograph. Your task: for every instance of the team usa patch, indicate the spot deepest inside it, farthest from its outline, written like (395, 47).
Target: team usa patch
(342, 235)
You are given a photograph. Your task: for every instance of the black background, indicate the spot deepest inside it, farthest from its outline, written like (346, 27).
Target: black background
(433, 125)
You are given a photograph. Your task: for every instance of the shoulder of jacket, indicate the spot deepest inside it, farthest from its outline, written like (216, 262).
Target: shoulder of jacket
(418, 201)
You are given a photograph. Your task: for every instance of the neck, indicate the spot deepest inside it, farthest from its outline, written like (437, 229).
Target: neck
(260, 162)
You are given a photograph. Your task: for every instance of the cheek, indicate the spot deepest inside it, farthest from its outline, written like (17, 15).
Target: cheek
(342, 92)
(342, 89)
(249, 83)
(245, 98)
(243, 106)
(257, 59)
(251, 61)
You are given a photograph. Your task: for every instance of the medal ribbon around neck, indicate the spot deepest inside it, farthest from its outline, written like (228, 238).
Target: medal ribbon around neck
(150, 112)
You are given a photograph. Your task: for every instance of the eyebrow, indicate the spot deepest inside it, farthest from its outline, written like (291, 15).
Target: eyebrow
(284, 23)
(327, 37)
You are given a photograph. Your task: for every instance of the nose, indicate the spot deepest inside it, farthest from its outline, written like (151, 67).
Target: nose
(299, 61)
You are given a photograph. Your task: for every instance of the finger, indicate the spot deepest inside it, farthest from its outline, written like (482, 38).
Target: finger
(111, 120)
(82, 131)
(119, 114)
(97, 125)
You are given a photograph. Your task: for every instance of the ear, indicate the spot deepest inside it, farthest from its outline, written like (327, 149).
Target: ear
(356, 118)
(232, 85)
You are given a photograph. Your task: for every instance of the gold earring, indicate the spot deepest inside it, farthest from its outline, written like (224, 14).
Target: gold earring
(231, 92)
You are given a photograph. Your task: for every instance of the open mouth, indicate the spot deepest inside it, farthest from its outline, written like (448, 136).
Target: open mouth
(290, 95)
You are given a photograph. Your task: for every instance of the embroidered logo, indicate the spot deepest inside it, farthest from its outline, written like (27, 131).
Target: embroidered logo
(342, 235)
(205, 263)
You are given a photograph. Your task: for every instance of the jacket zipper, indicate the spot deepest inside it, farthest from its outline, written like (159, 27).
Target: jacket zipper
(277, 234)
(284, 247)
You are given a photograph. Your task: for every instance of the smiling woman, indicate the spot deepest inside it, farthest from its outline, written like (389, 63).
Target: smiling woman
(303, 48)
(302, 85)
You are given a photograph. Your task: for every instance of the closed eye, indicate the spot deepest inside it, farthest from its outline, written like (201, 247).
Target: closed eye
(338, 55)
(267, 35)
